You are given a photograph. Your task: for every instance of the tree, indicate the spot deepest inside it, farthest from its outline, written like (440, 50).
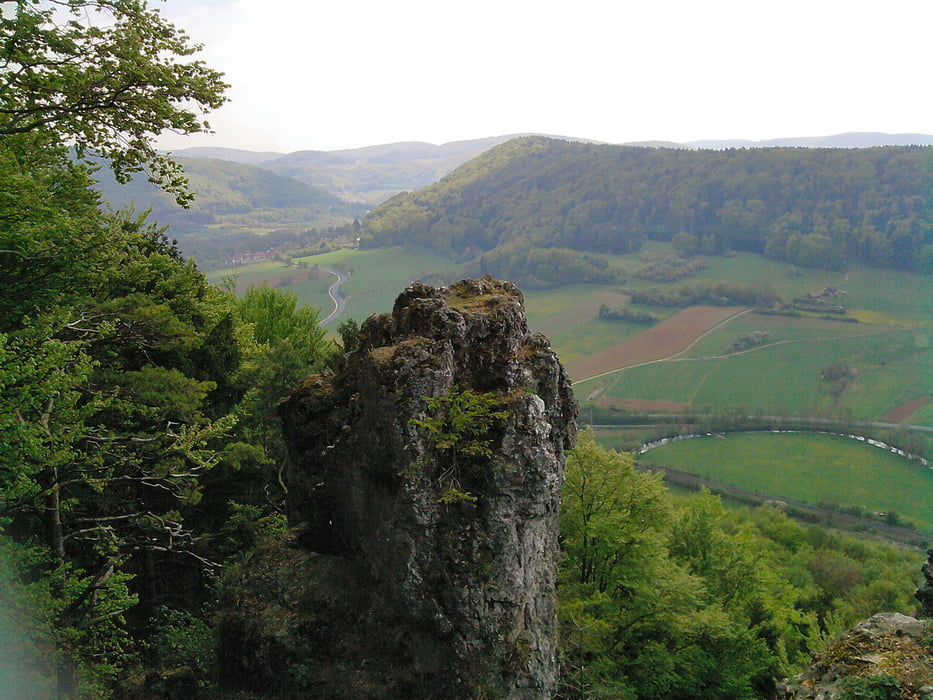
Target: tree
(106, 76)
(110, 343)
(611, 513)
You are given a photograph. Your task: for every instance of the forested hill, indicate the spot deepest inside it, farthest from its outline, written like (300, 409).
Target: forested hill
(812, 207)
(231, 194)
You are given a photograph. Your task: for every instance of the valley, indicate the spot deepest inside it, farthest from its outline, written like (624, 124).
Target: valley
(683, 372)
(607, 415)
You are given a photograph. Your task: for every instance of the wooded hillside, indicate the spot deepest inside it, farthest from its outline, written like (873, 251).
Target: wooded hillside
(812, 207)
(231, 196)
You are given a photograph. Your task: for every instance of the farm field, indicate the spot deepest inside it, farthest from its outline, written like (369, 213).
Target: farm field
(378, 278)
(782, 329)
(891, 350)
(809, 467)
(784, 377)
(669, 337)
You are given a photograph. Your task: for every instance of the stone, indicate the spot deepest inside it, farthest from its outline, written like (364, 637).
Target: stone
(427, 564)
(887, 647)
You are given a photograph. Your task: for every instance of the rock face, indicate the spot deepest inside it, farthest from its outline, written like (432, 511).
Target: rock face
(925, 592)
(424, 488)
(886, 656)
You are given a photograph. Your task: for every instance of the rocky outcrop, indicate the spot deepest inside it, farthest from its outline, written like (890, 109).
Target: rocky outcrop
(886, 656)
(424, 493)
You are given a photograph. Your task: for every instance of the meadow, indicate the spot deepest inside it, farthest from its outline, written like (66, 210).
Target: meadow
(809, 467)
(890, 350)
(785, 377)
(378, 276)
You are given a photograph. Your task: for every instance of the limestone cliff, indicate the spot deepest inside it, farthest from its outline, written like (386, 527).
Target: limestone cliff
(424, 490)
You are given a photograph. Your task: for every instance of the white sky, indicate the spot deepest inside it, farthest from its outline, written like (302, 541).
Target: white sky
(325, 75)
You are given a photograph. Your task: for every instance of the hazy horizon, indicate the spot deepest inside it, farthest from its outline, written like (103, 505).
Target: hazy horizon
(314, 76)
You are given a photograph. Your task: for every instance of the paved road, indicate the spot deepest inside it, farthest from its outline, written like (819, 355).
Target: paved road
(340, 304)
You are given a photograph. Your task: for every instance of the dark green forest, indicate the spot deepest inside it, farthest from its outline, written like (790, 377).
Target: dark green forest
(822, 208)
(141, 459)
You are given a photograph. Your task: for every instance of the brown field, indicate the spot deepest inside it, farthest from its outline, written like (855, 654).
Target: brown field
(904, 411)
(669, 337)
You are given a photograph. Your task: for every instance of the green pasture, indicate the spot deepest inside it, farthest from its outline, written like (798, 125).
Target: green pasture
(378, 276)
(787, 281)
(782, 329)
(894, 364)
(897, 297)
(894, 384)
(872, 295)
(785, 377)
(808, 467)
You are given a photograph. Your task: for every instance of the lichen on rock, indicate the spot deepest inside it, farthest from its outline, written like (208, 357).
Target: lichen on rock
(429, 464)
(888, 655)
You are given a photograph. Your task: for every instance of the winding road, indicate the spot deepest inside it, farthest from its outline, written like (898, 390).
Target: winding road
(340, 304)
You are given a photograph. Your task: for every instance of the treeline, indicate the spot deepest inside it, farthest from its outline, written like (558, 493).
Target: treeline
(610, 312)
(671, 268)
(759, 294)
(810, 207)
(543, 268)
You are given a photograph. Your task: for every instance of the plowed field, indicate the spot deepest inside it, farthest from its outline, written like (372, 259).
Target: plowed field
(669, 337)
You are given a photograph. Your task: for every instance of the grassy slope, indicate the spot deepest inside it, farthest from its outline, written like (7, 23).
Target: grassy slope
(810, 468)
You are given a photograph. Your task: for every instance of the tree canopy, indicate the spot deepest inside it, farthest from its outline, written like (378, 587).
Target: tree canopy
(106, 76)
(812, 207)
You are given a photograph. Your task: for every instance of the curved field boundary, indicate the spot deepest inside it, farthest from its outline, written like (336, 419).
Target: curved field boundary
(671, 337)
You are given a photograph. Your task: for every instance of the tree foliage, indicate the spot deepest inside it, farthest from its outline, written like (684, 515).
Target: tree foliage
(810, 207)
(107, 76)
(663, 597)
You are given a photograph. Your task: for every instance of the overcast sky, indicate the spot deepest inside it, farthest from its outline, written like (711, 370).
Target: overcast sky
(326, 75)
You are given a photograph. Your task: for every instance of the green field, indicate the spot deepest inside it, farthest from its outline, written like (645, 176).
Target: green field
(378, 276)
(890, 350)
(785, 377)
(808, 467)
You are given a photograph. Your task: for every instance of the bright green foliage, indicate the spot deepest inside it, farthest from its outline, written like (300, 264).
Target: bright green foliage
(105, 75)
(612, 514)
(459, 422)
(281, 343)
(662, 597)
(50, 238)
(458, 427)
(277, 319)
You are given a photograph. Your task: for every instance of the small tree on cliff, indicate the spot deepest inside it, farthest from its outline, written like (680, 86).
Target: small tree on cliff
(458, 429)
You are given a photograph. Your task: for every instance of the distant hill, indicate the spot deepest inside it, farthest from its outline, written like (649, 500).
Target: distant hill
(236, 155)
(847, 140)
(375, 173)
(369, 175)
(231, 197)
(812, 207)
(372, 174)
